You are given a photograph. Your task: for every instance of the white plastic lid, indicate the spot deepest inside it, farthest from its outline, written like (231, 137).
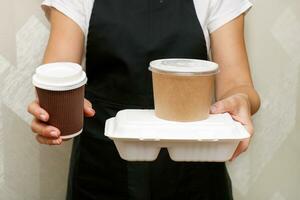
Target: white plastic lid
(184, 66)
(59, 76)
(144, 125)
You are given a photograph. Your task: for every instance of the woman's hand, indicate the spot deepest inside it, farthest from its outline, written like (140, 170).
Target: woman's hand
(47, 134)
(61, 48)
(238, 105)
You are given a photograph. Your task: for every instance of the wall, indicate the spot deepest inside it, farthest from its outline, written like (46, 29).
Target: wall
(268, 171)
(270, 168)
(27, 170)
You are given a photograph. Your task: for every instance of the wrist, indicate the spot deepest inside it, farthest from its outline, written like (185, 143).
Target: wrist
(246, 92)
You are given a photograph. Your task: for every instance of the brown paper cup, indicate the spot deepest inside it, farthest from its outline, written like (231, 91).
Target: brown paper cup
(60, 89)
(182, 96)
(65, 109)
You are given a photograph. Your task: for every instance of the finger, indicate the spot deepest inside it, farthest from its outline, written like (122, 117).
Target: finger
(88, 110)
(35, 109)
(242, 147)
(225, 105)
(238, 119)
(245, 118)
(250, 127)
(87, 102)
(44, 129)
(49, 141)
(246, 121)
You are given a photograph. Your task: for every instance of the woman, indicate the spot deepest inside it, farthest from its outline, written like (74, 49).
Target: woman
(120, 38)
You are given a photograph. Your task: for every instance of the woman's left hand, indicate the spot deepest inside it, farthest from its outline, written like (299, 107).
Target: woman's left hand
(239, 107)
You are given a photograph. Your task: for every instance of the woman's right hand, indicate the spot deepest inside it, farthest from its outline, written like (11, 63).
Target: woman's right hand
(47, 134)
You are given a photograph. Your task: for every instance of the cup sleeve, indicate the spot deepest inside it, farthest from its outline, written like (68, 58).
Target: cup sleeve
(224, 11)
(74, 9)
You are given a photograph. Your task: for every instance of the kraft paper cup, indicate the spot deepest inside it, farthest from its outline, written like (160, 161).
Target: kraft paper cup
(183, 88)
(60, 89)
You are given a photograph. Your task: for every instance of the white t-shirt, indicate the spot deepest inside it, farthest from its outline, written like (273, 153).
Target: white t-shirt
(212, 14)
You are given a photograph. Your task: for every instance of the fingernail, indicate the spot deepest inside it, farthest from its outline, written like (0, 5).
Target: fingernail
(91, 110)
(54, 133)
(43, 117)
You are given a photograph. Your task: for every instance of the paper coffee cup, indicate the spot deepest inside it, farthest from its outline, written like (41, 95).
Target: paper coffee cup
(183, 88)
(60, 89)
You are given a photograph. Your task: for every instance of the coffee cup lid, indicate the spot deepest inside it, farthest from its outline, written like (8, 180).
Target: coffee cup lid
(59, 76)
(180, 66)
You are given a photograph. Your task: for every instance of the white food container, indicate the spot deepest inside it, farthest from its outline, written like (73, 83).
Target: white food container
(139, 135)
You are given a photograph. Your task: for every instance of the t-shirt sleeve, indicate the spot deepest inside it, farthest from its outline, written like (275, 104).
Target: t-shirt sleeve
(223, 11)
(74, 9)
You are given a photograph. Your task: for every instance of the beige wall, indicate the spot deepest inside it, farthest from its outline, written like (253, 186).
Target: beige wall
(27, 170)
(268, 171)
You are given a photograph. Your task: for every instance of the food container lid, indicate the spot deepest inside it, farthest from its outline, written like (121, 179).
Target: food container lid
(143, 125)
(180, 66)
(59, 76)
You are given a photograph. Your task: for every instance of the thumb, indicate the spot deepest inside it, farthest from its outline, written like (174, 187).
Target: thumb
(87, 108)
(221, 106)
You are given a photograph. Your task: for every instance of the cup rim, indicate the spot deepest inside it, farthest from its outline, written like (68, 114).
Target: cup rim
(158, 66)
(57, 87)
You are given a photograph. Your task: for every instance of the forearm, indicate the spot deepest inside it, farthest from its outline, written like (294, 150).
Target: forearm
(247, 90)
(229, 51)
(66, 40)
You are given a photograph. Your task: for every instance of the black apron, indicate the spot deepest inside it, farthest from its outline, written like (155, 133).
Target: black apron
(124, 36)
